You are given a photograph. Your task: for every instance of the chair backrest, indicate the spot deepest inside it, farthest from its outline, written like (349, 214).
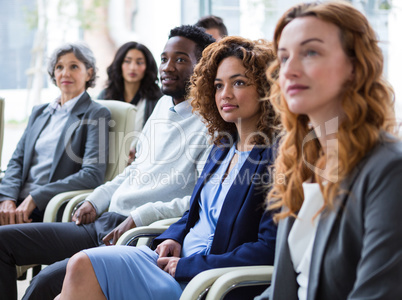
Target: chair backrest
(121, 129)
(2, 104)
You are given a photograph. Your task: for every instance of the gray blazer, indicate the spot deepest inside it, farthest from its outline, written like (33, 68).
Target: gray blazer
(357, 251)
(80, 158)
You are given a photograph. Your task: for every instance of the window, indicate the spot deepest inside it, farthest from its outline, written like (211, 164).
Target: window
(16, 43)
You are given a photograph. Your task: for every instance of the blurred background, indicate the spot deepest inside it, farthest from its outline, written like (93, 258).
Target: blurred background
(31, 29)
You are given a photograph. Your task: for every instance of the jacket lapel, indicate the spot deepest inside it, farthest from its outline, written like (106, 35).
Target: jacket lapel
(324, 228)
(218, 153)
(234, 200)
(37, 128)
(284, 278)
(73, 122)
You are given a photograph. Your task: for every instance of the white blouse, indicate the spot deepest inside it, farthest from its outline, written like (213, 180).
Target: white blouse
(302, 235)
(139, 122)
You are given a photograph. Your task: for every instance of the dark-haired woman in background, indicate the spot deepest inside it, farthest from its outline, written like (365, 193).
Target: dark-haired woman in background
(133, 78)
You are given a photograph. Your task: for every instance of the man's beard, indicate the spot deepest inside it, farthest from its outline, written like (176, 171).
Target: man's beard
(178, 93)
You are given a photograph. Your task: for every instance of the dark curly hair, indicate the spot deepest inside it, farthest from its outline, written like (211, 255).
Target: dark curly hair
(255, 55)
(149, 88)
(195, 34)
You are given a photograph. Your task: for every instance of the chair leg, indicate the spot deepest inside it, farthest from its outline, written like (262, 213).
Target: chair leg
(36, 269)
(22, 276)
(22, 271)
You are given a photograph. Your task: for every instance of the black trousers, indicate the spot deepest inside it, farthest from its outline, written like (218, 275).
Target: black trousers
(49, 244)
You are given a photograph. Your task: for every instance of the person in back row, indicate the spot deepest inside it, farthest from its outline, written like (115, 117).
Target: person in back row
(133, 78)
(65, 144)
(214, 26)
(226, 225)
(170, 153)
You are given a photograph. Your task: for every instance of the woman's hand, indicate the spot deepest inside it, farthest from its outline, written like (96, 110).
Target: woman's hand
(24, 210)
(7, 212)
(169, 248)
(169, 255)
(85, 214)
(118, 231)
(168, 264)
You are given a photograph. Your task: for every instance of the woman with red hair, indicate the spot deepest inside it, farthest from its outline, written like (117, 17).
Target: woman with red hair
(339, 232)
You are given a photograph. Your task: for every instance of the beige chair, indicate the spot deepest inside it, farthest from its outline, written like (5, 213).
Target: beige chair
(120, 138)
(2, 105)
(215, 283)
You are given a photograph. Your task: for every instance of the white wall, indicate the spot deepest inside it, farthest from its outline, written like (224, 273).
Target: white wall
(152, 23)
(395, 58)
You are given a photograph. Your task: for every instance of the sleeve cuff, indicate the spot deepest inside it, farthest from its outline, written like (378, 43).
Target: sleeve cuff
(4, 198)
(94, 205)
(136, 218)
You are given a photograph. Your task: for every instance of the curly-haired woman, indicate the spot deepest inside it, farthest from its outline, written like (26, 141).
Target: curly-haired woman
(226, 224)
(339, 233)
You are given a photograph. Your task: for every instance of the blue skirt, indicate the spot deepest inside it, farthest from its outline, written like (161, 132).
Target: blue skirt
(125, 272)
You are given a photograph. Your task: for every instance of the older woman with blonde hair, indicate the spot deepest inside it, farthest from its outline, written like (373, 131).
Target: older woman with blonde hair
(339, 233)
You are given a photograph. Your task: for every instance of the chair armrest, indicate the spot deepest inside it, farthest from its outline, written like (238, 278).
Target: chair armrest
(201, 283)
(204, 282)
(72, 205)
(57, 202)
(243, 276)
(146, 234)
(131, 237)
(164, 222)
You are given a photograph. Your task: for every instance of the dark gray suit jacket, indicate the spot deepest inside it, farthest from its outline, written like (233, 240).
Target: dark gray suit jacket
(80, 158)
(357, 251)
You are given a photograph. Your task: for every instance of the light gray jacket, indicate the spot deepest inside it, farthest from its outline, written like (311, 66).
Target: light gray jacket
(85, 135)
